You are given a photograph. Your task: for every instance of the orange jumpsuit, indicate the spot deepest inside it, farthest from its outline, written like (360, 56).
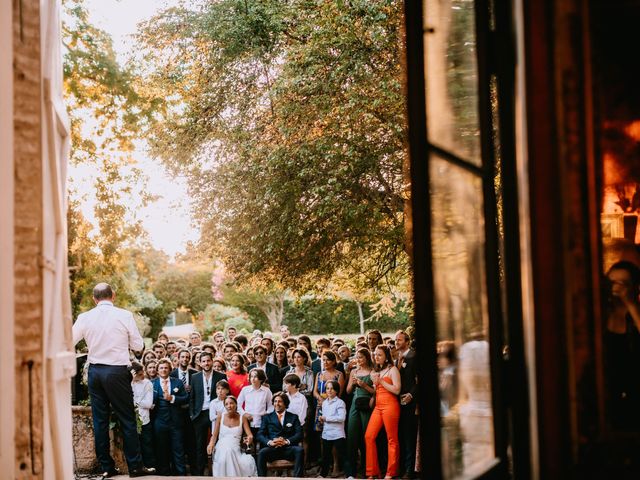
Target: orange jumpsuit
(387, 412)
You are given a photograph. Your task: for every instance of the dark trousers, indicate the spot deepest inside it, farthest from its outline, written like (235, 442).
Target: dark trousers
(408, 433)
(291, 452)
(189, 441)
(110, 388)
(201, 427)
(168, 441)
(327, 454)
(357, 426)
(146, 445)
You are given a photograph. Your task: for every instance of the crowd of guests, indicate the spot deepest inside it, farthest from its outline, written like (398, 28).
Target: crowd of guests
(243, 401)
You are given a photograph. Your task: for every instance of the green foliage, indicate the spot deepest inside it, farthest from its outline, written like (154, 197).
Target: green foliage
(242, 325)
(318, 316)
(288, 117)
(217, 317)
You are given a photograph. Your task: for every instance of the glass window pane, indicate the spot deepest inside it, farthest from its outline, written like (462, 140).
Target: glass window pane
(458, 245)
(451, 77)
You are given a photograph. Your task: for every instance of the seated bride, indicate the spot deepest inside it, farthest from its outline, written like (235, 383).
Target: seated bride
(228, 458)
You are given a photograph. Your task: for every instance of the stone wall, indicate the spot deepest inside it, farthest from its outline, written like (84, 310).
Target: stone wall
(84, 447)
(28, 239)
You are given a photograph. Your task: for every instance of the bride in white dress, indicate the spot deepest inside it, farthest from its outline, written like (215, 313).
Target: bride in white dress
(228, 459)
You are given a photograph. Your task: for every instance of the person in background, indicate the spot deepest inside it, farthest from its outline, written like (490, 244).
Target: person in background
(361, 386)
(386, 380)
(334, 413)
(219, 365)
(196, 360)
(151, 370)
(297, 401)
(237, 375)
(268, 343)
(148, 356)
(185, 373)
(406, 365)
(374, 338)
(143, 402)
(216, 407)
(195, 338)
(621, 346)
(255, 399)
(162, 338)
(159, 349)
(208, 347)
(231, 334)
(171, 348)
(250, 355)
(274, 380)
(219, 340)
(243, 341)
(174, 360)
(284, 332)
(202, 392)
(305, 341)
(227, 352)
(168, 396)
(280, 358)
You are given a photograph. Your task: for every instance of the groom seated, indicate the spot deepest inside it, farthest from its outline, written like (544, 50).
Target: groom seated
(280, 434)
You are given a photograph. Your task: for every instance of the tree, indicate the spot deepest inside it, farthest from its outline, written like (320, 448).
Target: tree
(288, 117)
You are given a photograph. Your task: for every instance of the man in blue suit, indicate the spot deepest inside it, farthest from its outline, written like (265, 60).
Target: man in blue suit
(280, 434)
(274, 380)
(168, 420)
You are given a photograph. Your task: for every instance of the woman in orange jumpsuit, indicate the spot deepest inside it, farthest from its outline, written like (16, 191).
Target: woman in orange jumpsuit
(386, 380)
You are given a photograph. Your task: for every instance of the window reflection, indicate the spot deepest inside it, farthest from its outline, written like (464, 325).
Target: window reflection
(451, 76)
(462, 321)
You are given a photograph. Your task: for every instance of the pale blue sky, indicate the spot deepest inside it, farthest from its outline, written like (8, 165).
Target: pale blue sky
(167, 220)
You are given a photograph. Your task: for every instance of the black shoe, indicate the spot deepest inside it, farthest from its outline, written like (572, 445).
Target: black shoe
(114, 472)
(141, 472)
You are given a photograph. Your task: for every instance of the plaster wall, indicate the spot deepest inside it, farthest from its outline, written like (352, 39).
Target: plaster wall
(7, 354)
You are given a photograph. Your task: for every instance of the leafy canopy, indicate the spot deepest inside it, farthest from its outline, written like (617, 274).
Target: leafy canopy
(288, 119)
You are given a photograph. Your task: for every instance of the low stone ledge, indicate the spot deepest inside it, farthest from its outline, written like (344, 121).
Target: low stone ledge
(84, 453)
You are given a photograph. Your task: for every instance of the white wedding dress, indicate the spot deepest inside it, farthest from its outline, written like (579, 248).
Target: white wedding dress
(228, 459)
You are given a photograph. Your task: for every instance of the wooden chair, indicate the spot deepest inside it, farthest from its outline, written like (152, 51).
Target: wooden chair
(283, 467)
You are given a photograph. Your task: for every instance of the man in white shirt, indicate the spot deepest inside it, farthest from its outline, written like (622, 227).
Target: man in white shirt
(109, 333)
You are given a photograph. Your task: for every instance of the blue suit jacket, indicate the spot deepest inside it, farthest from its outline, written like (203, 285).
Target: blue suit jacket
(271, 428)
(164, 413)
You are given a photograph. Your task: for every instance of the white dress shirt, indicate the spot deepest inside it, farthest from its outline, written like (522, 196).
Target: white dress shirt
(334, 412)
(206, 390)
(216, 407)
(109, 332)
(256, 402)
(143, 398)
(298, 404)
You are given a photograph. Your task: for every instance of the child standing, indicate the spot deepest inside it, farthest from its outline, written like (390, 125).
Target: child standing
(216, 407)
(334, 413)
(143, 401)
(298, 402)
(255, 399)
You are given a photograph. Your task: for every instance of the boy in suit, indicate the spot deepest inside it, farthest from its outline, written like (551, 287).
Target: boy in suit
(168, 395)
(280, 434)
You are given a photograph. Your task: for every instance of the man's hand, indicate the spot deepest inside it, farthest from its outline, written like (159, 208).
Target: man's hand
(187, 388)
(167, 396)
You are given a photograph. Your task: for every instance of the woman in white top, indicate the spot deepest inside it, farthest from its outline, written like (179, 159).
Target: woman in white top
(254, 400)
(228, 459)
(143, 401)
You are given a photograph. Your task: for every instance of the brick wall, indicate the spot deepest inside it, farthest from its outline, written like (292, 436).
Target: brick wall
(28, 239)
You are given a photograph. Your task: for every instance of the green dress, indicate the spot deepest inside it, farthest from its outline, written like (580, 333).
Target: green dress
(356, 427)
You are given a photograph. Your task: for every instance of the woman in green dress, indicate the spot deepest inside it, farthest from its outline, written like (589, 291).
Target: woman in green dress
(361, 385)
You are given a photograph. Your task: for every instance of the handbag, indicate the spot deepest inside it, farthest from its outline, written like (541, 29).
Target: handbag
(363, 404)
